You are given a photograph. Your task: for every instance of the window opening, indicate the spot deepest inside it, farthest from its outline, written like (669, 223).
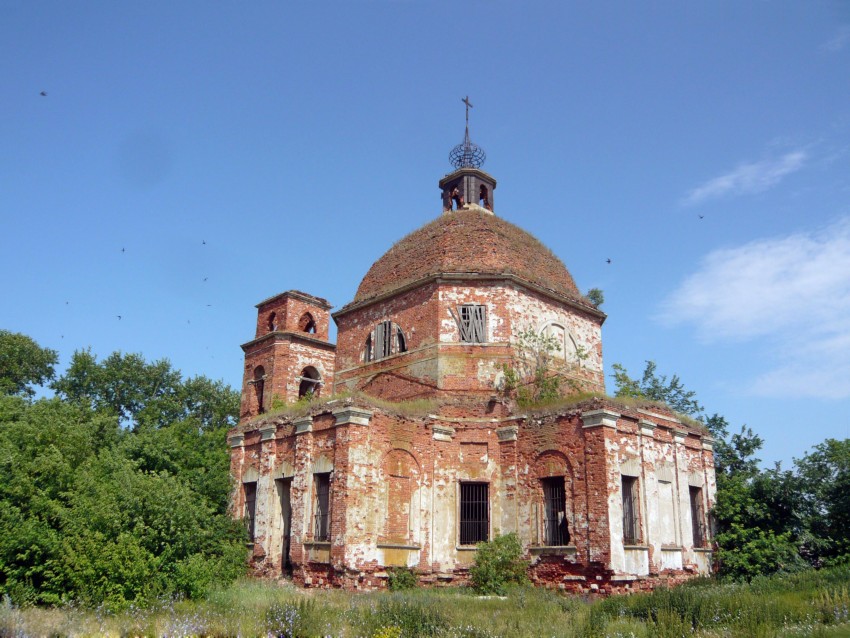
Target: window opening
(310, 382)
(555, 529)
(697, 517)
(474, 513)
(399, 336)
(323, 503)
(473, 323)
(484, 197)
(307, 323)
(386, 339)
(284, 489)
(272, 322)
(631, 511)
(259, 387)
(250, 506)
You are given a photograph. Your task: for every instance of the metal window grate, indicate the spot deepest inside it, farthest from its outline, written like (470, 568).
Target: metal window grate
(631, 511)
(323, 514)
(250, 507)
(697, 517)
(555, 529)
(474, 513)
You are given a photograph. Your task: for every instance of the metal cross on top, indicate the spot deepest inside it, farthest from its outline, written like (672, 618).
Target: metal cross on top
(468, 106)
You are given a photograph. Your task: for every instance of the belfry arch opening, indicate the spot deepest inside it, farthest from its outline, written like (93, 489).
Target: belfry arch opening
(272, 322)
(259, 383)
(310, 383)
(307, 324)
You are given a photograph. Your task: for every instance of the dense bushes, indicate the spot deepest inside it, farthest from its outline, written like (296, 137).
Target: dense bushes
(121, 500)
(498, 563)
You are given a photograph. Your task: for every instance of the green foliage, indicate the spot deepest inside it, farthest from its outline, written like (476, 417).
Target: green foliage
(95, 513)
(401, 578)
(532, 376)
(145, 395)
(656, 388)
(410, 617)
(23, 363)
(825, 474)
(595, 296)
(498, 563)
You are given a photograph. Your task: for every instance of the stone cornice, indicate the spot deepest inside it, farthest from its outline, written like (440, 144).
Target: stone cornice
(597, 418)
(236, 440)
(280, 335)
(295, 294)
(352, 415)
(442, 432)
(447, 277)
(267, 431)
(303, 424)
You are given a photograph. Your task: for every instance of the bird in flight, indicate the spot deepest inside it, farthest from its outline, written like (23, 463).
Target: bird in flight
(119, 317)
(43, 94)
(204, 242)
(205, 278)
(123, 250)
(702, 216)
(608, 260)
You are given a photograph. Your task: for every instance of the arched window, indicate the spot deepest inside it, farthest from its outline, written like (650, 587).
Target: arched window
(400, 475)
(259, 383)
(310, 382)
(272, 322)
(565, 345)
(307, 324)
(386, 339)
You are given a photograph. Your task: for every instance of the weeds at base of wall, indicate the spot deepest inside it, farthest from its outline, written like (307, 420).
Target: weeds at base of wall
(401, 579)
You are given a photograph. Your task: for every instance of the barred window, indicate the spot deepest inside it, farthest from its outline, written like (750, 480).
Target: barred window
(472, 323)
(474, 513)
(697, 517)
(631, 511)
(250, 506)
(386, 339)
(322, 484)
(555, 528)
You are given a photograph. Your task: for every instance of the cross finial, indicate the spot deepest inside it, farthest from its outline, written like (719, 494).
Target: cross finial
(468, 106)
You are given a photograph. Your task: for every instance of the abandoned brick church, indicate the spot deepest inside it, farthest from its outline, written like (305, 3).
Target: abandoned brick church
(425, 452)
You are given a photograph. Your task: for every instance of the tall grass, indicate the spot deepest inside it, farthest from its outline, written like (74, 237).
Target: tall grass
(804, 604)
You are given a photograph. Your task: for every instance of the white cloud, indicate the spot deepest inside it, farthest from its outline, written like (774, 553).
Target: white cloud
(838, 41)
(793, 292)
(748, 178)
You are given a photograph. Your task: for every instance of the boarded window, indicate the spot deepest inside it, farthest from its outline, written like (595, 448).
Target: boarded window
(385, 340)
(472, 323)
(250, 506)
(631, 511)
(697, 517)
(322, 484)
(474, 513)
(555, 528)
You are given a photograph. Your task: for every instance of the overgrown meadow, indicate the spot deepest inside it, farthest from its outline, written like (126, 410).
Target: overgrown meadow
(806, 604)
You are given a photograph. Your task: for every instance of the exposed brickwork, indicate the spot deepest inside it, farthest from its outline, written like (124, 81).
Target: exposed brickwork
(387, 486)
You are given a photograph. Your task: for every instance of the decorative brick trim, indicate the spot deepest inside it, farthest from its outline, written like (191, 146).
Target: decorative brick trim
(656, 415)
(679, 436)
(507, 433)
(596, 418)
(236, 440)
(352, 415)
(267, 432)
(708, 443)
(443, 432)
(304, 424)
(647, 428)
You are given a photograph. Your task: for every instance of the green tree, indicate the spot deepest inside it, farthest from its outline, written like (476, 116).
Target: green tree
(595, 296)
(824, 483)
(498, 563)
(656, 388)
(531, 375)
(23, 363)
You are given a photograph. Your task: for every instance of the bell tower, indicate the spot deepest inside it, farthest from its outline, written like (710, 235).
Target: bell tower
(290, 357)
(468, 186)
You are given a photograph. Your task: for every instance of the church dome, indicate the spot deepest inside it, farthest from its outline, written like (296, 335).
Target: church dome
(467, 241)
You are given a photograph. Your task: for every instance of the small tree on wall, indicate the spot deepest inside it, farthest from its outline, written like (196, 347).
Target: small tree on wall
(533, 376)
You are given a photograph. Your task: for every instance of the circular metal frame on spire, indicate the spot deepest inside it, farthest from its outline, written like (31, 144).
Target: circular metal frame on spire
(467, 155)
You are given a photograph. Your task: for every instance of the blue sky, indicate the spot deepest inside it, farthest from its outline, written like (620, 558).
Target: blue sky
(193, 158)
